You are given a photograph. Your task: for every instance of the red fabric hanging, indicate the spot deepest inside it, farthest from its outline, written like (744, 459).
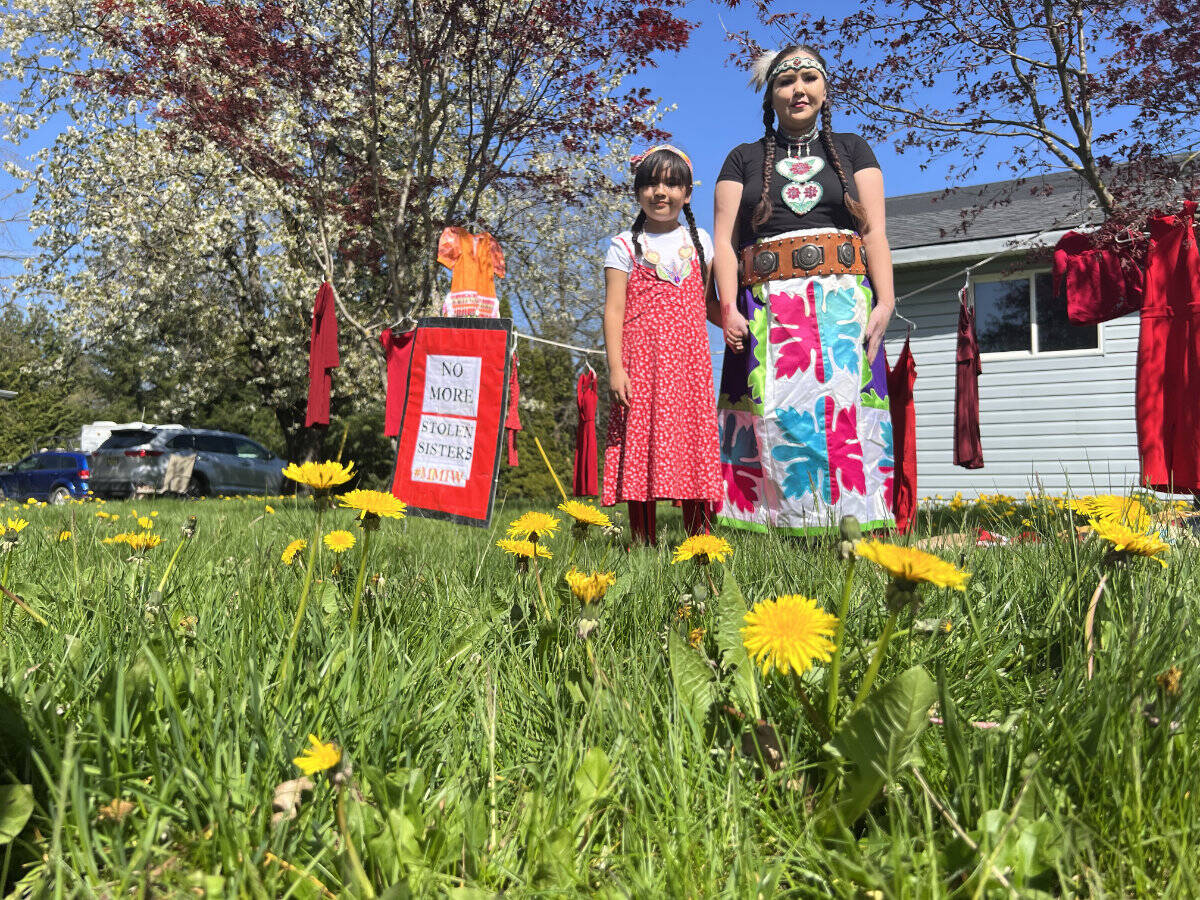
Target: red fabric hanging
(512, 422)
(397, 350)
(322, 357)
(1098, 284)
(586, 463)
(968, 449)
(1168, 375)
(900, 381)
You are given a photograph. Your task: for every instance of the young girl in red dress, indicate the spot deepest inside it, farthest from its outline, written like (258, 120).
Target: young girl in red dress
(662, 431)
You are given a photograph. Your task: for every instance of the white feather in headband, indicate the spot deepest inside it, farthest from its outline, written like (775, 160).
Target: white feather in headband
(760, 72)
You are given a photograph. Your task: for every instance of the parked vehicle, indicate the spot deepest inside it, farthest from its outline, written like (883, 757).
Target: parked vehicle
(54, 476)
(226, 463)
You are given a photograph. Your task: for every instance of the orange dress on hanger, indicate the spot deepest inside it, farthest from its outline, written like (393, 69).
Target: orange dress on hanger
(475, 261)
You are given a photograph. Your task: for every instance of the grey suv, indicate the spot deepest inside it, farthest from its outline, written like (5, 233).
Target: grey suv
(225, 463)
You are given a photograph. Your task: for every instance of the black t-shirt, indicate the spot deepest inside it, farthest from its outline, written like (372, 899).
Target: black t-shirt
(745, 165)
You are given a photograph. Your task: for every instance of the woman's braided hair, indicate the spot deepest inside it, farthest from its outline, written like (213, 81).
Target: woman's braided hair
(762, 212)
(671, 168)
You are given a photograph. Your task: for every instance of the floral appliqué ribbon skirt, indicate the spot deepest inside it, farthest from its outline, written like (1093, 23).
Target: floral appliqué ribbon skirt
(806, 436)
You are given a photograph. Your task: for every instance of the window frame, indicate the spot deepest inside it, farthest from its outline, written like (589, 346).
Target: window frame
(1030, 275)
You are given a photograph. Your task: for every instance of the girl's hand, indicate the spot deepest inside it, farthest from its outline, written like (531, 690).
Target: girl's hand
(737, 332)
(621, 387)
(876, 325)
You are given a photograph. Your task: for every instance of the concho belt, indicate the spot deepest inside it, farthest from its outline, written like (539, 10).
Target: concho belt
(802, 257)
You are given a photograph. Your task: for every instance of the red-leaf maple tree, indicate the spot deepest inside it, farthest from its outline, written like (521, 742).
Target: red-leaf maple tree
(390, 119)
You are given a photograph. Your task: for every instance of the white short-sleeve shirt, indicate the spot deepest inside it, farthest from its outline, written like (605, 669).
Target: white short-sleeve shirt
(666, 245)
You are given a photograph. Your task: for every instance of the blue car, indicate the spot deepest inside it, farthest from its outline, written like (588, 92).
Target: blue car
(54, 476)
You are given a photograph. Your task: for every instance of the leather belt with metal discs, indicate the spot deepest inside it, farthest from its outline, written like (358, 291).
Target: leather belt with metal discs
(803, 256)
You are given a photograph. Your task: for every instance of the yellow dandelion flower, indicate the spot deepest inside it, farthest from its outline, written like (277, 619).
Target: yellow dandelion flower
(318, 756)
(270, 509)
(1124, 510)
(290, 551)
(912, 565)
(339, 541)
(1169, 681)
(154, 514)
(64, 536)
(143, 541)
(525, 549)
(145, 523)
(788, 633)
(585, 514)
(533, 526)
(696, 636)
(374, 503)
(590, 588)
(319, 476)
(1128, 540)
(16, 525)
(704, 548)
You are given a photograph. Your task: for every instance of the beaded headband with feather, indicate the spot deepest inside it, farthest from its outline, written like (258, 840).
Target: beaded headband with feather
(761, 72)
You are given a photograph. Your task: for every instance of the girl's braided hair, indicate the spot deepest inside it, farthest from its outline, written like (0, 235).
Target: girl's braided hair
(762, 212)
(670, 168)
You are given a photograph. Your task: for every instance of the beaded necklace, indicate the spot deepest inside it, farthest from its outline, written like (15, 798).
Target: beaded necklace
(801, 193)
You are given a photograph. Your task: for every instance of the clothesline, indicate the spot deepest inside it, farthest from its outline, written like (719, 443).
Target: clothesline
(530, 337)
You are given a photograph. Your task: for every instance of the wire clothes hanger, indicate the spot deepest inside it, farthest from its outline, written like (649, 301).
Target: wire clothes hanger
(912, 326)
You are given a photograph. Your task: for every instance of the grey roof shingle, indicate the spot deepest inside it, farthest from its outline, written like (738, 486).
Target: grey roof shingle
(1037, 203)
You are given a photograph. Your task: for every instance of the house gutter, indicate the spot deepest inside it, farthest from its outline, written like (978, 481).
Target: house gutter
(911, 257)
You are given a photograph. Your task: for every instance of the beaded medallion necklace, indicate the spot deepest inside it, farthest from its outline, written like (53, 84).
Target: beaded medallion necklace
(801, 193)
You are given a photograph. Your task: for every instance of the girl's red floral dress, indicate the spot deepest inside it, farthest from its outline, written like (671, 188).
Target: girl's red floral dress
(664, 445)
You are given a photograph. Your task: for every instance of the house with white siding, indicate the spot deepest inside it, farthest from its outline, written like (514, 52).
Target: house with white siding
(1056, 400)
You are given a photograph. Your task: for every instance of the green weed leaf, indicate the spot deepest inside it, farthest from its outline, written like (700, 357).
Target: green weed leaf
(731, 612)
(592, 776)
(693, 678)
(877, 739)
(16, 806)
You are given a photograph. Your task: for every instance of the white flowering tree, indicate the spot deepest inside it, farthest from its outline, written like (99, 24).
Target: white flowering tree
(224, 158)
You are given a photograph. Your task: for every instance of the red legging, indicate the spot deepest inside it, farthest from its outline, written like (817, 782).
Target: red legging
(643, 519)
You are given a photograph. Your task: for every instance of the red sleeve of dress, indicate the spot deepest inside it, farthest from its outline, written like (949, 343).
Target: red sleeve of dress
(450, 246)
(497, 256)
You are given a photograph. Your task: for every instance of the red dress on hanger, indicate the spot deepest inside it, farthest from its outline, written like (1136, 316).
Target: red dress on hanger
(397, 350)
(968, 449)
(512, 421)
(586, 463)
(1168, 376)
(322, 356)
(900, 381)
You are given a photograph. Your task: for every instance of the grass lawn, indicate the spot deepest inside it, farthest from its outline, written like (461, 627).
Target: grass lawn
(486, 748)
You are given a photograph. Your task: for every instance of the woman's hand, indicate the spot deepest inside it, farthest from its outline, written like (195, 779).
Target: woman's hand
(621, 387)
(737, 332)
(876, 325)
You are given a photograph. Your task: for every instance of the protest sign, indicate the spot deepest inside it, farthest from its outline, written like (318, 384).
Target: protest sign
(449, 450)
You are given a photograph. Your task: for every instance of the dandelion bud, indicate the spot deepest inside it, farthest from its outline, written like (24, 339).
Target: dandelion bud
(851, 533)
(188, 528)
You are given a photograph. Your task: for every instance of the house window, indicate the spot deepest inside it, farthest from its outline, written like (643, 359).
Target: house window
(1020, 314)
